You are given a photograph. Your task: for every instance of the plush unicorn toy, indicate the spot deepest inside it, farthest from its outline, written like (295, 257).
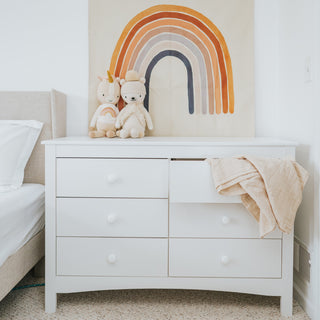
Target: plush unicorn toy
(134, 117)
(104, 118)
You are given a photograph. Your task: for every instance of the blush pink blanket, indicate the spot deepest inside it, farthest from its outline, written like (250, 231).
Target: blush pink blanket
(270, 189)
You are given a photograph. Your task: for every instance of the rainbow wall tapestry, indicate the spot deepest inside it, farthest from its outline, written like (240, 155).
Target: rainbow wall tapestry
(170, 30)
(197, 61)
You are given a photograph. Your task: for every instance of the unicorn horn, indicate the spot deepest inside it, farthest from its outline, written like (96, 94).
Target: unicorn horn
(110, 77)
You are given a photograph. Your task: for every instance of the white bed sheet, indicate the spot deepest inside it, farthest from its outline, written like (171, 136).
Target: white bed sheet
(21, 217)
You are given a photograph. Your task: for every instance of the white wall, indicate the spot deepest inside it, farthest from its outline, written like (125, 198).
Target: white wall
(44, 45)
(266, 65)
(287, 106)
(296, 108)
(284, 100)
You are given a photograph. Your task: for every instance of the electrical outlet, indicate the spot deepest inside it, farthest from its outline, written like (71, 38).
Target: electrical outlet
(304, 264)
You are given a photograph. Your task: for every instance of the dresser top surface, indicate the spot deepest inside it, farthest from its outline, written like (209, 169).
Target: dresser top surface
(171, 141)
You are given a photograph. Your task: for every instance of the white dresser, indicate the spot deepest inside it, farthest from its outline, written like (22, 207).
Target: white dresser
(144, 213)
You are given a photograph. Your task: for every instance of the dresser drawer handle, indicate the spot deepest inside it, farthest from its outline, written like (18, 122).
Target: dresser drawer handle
(225, 220)
(225, 260)
(112, 258)
(111, 218)
(112, 178)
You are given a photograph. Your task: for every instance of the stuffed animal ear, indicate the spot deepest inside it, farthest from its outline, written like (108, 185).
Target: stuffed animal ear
(122, 81)
(142, 80)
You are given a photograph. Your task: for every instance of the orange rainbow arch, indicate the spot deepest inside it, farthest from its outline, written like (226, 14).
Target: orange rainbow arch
(108, 110)
(181, 32)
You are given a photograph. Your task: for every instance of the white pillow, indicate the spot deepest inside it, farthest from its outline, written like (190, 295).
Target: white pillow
(17, 140)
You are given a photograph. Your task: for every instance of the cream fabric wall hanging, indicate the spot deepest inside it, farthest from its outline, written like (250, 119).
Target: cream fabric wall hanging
(196, 56)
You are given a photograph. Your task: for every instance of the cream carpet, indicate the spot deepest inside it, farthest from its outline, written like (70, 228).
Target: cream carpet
(28, 304)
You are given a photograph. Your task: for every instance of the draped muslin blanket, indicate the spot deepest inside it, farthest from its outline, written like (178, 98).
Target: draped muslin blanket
(270, 189)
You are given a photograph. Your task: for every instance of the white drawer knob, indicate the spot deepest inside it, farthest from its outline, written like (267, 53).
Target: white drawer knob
(225, 260)
(112, 258)
(111, 218)
(225, 220)
(112, 178)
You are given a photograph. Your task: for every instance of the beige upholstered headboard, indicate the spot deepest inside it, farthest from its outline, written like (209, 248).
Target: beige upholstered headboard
(47, 107)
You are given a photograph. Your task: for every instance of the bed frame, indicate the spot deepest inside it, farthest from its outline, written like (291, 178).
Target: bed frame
(49, 108)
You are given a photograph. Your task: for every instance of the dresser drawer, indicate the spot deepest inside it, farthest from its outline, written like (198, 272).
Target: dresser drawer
(112, 217)
(112, 257)
(241, 258)
(191, 181)
(214, 220)
(112, 178)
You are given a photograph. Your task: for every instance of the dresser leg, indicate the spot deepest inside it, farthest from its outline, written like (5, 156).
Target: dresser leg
(286, 305)
(50, 301)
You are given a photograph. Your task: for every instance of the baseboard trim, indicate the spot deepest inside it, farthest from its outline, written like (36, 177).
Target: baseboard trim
(303, 300)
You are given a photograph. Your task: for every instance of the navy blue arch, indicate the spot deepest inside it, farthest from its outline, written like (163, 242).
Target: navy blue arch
(184, 59)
